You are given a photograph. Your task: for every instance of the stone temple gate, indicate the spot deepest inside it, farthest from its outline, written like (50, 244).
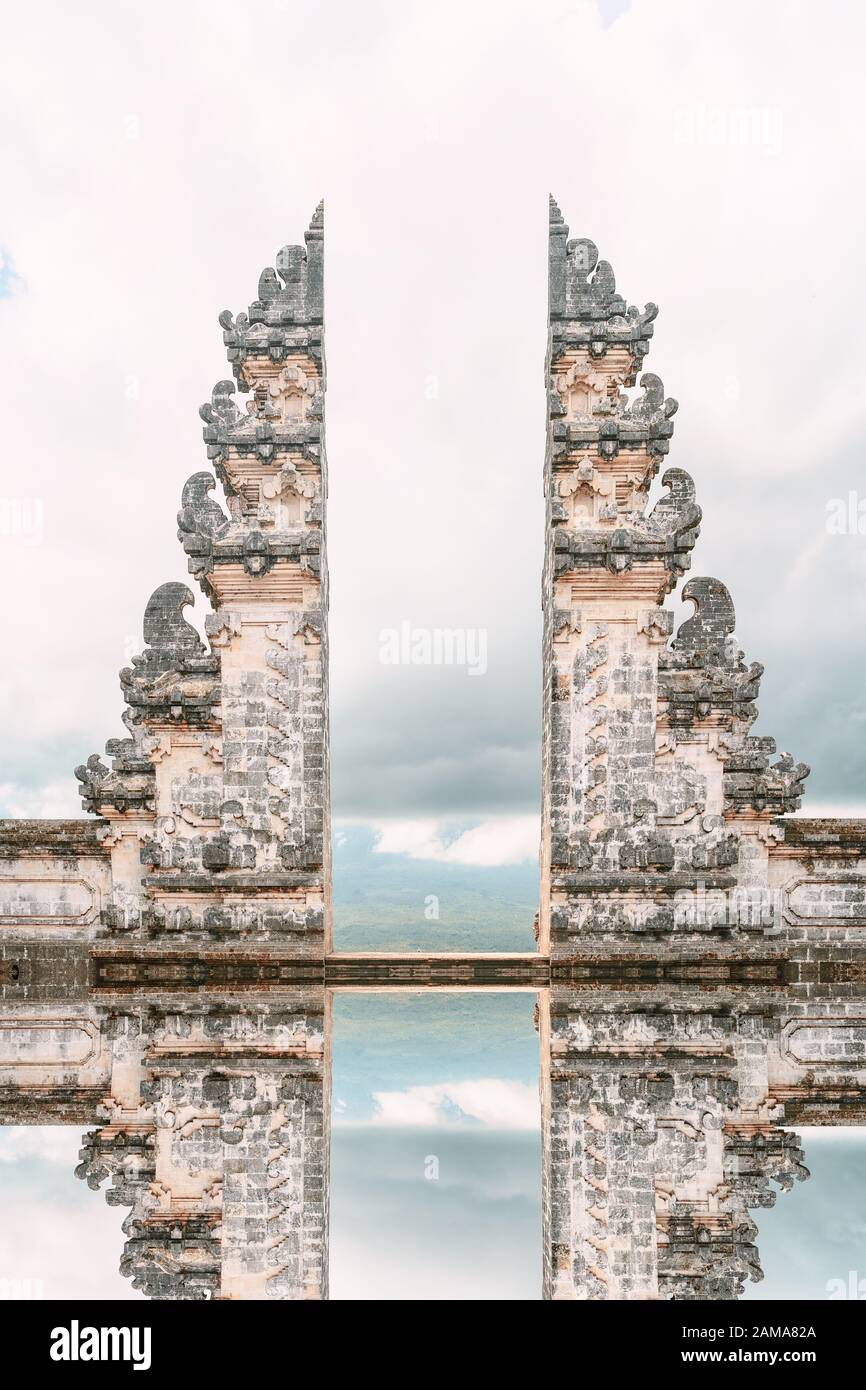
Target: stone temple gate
(166, 963)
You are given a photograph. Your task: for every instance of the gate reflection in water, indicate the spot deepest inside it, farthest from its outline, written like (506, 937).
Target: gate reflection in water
(435, 1147)
(251, 1139)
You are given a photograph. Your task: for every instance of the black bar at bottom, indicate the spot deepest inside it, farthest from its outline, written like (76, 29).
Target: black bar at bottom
(648, 1338)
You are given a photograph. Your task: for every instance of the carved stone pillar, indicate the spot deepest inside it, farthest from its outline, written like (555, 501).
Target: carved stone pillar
(218, 804)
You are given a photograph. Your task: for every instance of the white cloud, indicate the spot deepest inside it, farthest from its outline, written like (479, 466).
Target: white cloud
(51, 1143)
(49, 1219)
(66, 1247)
(492, 843)
(54, 801)
(494, 1103)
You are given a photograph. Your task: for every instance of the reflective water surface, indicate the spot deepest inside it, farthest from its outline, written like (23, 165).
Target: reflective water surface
(299, 1142)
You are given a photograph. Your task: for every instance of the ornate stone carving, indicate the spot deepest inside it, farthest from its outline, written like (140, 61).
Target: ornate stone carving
(652, 778)
(225, 771)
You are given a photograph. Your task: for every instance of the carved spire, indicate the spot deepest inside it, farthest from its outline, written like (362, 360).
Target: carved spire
(226, 769)
(604, 448)
(268, 452)
(584, 307)
(288, 314)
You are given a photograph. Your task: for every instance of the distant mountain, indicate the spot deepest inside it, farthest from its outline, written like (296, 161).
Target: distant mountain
(389, 902)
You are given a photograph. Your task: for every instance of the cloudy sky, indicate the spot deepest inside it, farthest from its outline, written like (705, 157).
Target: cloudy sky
(154, 157)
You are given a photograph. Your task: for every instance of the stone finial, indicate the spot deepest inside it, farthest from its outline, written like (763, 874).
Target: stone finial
(290, 291)
(590, 283)
(316, 229)
(652, 405)
(584, 307)
(713, 620)
(676, 513)
(556, 217)
(287, 317)
(169, 638)
(221, 411)
(199, 513)
(175, 678)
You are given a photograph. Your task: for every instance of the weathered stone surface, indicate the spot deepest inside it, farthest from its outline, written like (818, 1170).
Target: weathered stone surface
(214, 1128)
(660, 810)
(216, 810)
(664, 1117)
